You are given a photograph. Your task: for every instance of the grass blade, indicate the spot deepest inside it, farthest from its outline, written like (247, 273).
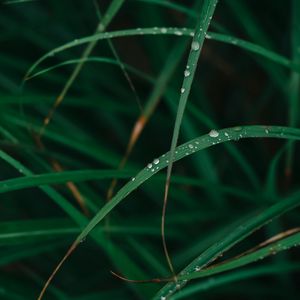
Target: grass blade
(196, 47)
(185, 150)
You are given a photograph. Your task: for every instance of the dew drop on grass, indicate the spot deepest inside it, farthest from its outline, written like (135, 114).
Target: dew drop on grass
(195, 46)
(213, 133)
(156, 161)
(237, 128)
(178, 32)
(191, 146)
(182, 90)
(163, 30)
(187, 73)
(149, 166)
(133, 179)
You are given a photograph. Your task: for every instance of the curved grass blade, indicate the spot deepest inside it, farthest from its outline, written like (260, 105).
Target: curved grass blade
(32, 232)
(228, 278)
(251, 47)
(293, 240)
(35, 180)
(59, 177)
(92, 59)
(185, 150)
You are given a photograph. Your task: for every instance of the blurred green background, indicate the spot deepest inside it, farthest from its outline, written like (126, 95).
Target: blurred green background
(122, 82)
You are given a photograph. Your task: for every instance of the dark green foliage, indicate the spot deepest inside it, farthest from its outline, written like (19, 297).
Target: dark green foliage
(231, 117)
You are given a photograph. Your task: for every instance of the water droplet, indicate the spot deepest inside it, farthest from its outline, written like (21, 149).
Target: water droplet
(197, 269)
(133, 179)
(226, 134)
(191, 146)
(178, 32)
(266, 131)
(208, 36)
(187, 73)
(213, 133)
(163, 30)
(149, 166)
(152, 170)
(237, 128)
(156, 161)
(163, 298)
(192, 34)
(195, 46)
(182, 90)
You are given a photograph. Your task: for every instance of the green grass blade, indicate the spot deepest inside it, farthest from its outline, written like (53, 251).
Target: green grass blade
(272, 249)
(166, 31)
(225, 279)
(192, 147)
(59, 177)
(189, 73)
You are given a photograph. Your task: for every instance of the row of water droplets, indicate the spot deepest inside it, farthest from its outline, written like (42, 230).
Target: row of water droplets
(213, 137)
(141, 31)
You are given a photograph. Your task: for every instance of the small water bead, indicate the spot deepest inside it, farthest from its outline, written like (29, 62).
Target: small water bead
(208, 36)
(163, 30)
(192, 34)
(133, 179)
(182, 90)
(178, 32)
(152, 170)
(197, 269)
(266, 131)
(187, 73)
(191, 146)
(149, 166)
(195, 46)
(226, 134)
(234, 41)
(163, 298)
(213, 133)
(237, 128)
(156, 161)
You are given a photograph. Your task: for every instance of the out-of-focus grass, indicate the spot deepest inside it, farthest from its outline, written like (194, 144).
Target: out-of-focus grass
(222, 198)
